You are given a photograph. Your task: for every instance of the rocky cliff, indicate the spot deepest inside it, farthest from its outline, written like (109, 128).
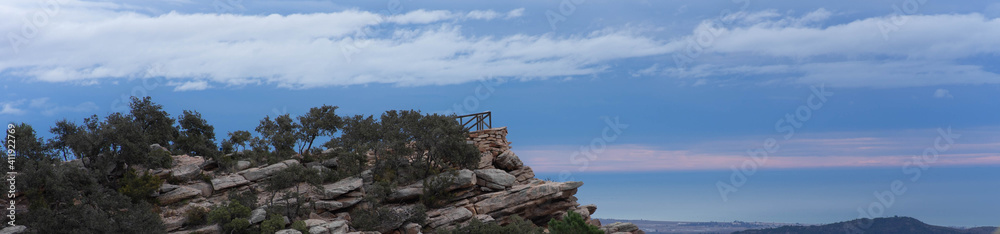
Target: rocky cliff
(501, 187)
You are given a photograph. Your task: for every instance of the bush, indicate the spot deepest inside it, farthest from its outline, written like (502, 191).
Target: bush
(517, 225)
(436, 192)
(300, 226)
(231, 216)
(572, 224)
(273, 224)
(196, 216)
(139, 188)
(247, 198)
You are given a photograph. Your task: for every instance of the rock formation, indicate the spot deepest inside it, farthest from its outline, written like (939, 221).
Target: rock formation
(501, 186)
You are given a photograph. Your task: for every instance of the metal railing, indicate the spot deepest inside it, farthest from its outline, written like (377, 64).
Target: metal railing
(479, 121)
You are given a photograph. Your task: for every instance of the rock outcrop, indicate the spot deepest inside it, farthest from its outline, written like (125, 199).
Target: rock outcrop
(501, 186)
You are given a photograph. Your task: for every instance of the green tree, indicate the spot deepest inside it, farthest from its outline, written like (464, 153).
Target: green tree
(240, 138)
(280, 133)
(64, 131)
(197, 136)
(153, 121)
(28, 145)
(572, 224)
(319, 121)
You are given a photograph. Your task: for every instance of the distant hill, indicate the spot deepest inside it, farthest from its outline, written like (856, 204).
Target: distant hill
(880, 225)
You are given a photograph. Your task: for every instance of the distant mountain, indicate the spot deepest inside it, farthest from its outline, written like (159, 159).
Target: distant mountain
(878, 225)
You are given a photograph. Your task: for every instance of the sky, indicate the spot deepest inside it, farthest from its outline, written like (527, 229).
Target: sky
(781, 111)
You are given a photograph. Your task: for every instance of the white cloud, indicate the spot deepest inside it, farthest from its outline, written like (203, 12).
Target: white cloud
(91, 43)
(942, 93)
(82, 107)
(190, 85)
(11, 107)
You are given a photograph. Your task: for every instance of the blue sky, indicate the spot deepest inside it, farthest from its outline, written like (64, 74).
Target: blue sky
(692, 86)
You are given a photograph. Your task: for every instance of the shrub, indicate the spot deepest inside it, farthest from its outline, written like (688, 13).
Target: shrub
(232, 216)
(572, 224)
(517, 225)
(196, 216)
(139, 188)
(300, 226)
(436, 192)
(273, 224)
(247, 198)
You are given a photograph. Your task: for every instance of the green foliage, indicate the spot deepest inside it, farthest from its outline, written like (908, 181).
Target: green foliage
(63, 131)
(517, 225)
(197, 137)
(66, 199)
(382, 218)
(139, 188)
(572, 224)
(196, 216)
(233, 217)
(300, 226)
(279, 133)
(240, 138)
(29, 146)
(152, 121)
(436, 193)
(247, 198)
(273, 224)
(320, 121)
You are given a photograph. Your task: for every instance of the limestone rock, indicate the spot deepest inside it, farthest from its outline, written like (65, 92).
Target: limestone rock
(173, 223)
(225, 182)
(485, 160)
(214, 228)
(186, 167)
(242, 165)
(255, 174)
(334, 227)
(167, 187)
(448, 215)
(494, 178)
(538, 201)
(334, 190)
(205, 188)
(457, 180)
(288, 231)
(411, 228)
(619, 227)
(508, 161)
(329, 205)
(257, 216)
(178, 194)
(524, 174)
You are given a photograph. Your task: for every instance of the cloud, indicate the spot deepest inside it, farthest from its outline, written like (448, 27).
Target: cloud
(190, 86)
(43, 106)
(96, 42)
(88, 42)
(818, 150)
(11, 107)
(942, 93)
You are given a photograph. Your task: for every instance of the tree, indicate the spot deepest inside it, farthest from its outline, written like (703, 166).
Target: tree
(197, 136)
(319, 121)
(63, 131)
(240, 138)
(280, 133)
(572, 223)
(27, 144)
(153, 121)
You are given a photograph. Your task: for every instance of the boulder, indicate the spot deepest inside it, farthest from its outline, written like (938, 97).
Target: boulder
(333, 227)
(536, 201)
(619, 227)
(257, 216)
(168, 187)
(329, 205)
(508, 161)
(242, 165)
(411, 228)
(206, 188)
(178, 194)
(288, 231)
(255, 174)
(334, 190)
(331, 163)
(229, 181)
(494, 178)
(186, 167)
(448, 215)
(485, 160)
(456, 180)
(314, 222)
(173, 223)
(214, 228)
(524, 174)
(14, 229)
